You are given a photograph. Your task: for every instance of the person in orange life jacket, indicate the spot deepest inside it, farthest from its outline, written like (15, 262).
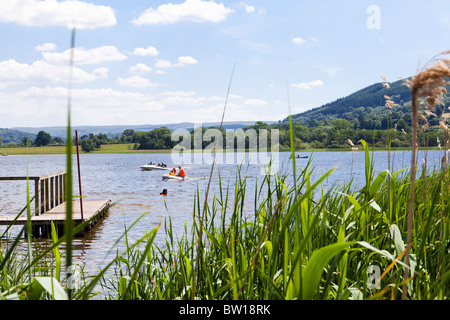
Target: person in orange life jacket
(181, 173)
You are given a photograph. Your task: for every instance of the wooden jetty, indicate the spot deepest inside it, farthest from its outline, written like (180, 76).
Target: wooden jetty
(50, 205)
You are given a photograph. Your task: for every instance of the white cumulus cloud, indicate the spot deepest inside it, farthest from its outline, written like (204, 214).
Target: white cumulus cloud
(13, 72)
(48, 106)
(85, 56)
(149, 51)
(76, 13)
(182, 61)
(308, 85)
(298, 41)
(186, 60)
(248, 8)
(46, 47)
(190, 10)
(139, 69)
(162, 63)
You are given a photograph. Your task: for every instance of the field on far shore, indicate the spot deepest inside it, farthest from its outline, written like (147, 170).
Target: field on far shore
(107, 148)
(128, 148)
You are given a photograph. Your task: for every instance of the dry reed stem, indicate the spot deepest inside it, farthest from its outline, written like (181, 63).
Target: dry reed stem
(429, 83)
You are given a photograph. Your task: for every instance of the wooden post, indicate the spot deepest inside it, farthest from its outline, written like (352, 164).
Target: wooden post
(42, 202)
(56, 190)
(47, 196)
(52, 192)
(61, 184)
(64, 188)
(36, 197)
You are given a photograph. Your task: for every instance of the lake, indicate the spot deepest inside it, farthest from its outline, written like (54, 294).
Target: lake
(134, 192)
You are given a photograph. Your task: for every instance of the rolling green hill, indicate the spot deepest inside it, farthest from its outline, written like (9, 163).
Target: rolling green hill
(8, 136)
(366, 109)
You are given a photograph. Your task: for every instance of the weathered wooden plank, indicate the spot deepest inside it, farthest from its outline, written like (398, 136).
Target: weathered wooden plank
(34, 177)
(50, 205)
(19, 178)
(91, 207)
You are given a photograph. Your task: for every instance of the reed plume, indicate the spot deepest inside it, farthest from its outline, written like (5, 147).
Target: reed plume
(428, 83)
(350, 142)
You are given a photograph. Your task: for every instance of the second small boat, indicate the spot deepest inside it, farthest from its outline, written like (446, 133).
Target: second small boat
(172, 177)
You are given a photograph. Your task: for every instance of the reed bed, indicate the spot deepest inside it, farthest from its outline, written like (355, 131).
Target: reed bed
(301, 243)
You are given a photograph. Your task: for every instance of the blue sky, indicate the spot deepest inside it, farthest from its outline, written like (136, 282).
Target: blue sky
(156, 62)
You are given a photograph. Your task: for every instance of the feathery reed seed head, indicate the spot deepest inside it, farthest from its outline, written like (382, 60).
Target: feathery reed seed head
(351, 143)
(430, 82)
(385, 83)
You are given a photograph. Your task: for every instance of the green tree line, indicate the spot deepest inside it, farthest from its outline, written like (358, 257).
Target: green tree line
(41, 139)
(331, 134)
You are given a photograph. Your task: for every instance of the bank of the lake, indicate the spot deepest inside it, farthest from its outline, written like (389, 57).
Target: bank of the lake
(61, 149)
(128, 148)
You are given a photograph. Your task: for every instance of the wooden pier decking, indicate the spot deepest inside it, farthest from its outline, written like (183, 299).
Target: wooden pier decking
(92, 209)
(50, 205)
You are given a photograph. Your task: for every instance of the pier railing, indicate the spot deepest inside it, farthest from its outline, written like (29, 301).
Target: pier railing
(49, 190)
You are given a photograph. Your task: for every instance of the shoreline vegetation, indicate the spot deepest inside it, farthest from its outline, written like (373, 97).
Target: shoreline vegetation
(128, 148)
(388, 239)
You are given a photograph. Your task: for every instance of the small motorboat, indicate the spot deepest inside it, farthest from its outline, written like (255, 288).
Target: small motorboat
(153, 167)
(172, 177)
(301, 157)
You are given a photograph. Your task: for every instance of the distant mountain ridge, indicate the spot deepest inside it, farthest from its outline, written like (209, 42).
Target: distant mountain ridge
(372, 96)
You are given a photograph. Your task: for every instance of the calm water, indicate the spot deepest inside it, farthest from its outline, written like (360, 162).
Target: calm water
(119, 178)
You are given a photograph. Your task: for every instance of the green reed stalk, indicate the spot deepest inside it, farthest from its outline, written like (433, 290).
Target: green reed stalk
(414, 114)
(69, 180)
(28, 225)
(200, 237)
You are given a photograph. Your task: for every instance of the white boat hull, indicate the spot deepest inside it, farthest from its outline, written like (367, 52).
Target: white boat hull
(151, 167)
(169, 177)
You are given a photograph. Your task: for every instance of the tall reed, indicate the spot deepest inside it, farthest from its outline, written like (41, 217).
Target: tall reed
(429, 83)
(200, 235)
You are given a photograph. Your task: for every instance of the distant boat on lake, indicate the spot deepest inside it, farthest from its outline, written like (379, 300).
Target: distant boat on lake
(153, 167)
